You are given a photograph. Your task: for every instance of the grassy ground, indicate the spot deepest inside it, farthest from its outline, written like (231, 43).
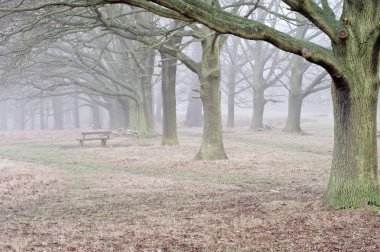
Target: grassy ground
(136, 195)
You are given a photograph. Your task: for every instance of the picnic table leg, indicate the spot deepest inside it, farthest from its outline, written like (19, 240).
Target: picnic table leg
(103, 142)
(81, 142)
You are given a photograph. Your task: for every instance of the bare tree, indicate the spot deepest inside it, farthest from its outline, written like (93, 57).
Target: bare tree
(352, 67)
(296, 88)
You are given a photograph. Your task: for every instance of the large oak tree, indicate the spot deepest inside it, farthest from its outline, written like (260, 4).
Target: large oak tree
(352, 62)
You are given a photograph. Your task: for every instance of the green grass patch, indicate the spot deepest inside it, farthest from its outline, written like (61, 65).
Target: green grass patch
(280, 145)
(52, 155)
(67, 159)
(274, 144)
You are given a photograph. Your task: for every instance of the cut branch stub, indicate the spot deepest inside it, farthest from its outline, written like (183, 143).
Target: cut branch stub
(305, 53)
(337, 76)
(342, 33)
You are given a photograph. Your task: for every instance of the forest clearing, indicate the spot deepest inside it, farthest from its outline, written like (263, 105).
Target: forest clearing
(136, 195)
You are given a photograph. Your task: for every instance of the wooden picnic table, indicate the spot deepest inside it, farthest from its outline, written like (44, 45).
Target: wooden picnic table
(103, 136)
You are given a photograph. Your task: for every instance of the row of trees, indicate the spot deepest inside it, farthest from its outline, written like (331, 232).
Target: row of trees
(351, 60)
(84, 63)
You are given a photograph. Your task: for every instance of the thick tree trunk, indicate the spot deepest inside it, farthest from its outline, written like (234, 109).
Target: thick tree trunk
(258, 86)
(212, 147)
(233, 70)
(141, 114)
(145, 122)
(168, 88)
(258, 109)
(293, 121)
(146, 129)
(353, 179)
(143, 79)
(145, 111)
(169, 122)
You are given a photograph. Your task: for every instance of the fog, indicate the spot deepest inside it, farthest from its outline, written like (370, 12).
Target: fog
(27, 116)
(97, 78)
(205, 125)
(56, 87)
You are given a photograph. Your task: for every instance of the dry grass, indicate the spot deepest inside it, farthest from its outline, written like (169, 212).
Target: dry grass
(25, 181)
(139, 196)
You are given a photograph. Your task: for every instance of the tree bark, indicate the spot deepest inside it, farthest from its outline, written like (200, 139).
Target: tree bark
(169, 122)
(144, 67)
(145, 113)
(212, 147)
(168, 87)
(353, 179)
(231, 85)
(293, 121)
(259, 87)
(258, 109)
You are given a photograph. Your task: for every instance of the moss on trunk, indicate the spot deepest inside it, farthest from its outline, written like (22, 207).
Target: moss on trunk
(353, 180)
(212, 147)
